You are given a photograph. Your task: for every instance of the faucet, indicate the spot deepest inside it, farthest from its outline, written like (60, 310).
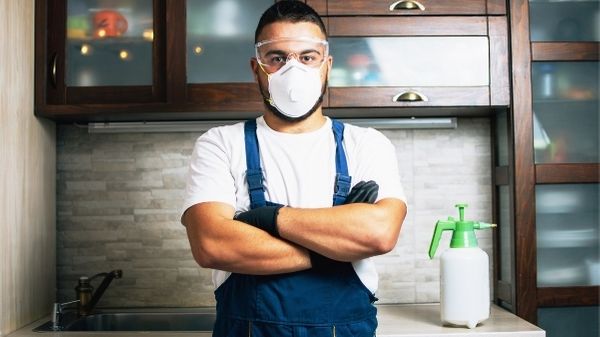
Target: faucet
(57, 311)
(86, 296)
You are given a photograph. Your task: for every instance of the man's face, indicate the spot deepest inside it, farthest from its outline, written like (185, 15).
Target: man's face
(288, 30)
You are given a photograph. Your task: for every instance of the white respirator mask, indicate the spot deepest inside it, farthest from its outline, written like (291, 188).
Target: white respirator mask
(295, 88)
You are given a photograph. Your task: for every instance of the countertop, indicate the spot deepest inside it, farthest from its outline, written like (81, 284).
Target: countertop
(414, 320)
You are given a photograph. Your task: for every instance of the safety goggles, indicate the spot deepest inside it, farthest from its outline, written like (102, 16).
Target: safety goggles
(273, 54)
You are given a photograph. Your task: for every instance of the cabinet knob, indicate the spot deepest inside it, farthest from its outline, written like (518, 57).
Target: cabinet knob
(53, 60)
(409, 96)
(406, 5)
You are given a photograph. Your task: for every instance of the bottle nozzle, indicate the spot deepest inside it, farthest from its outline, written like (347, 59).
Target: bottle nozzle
(483, 225)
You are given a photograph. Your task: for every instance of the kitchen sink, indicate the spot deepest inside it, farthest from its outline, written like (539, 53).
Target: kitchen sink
(199, 320)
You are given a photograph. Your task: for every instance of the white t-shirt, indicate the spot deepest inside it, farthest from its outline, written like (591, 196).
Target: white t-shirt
(299, 171)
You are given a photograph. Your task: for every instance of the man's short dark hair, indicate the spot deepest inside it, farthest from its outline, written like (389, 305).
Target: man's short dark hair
(290, 11)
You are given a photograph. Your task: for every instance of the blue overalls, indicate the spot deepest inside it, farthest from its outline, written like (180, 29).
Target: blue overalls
(332, 302)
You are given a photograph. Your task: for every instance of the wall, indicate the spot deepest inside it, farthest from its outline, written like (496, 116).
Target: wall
(119, 197)
(27, 179)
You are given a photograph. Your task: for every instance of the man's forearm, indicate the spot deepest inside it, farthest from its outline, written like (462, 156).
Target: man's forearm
(347, 232)
(219, 242)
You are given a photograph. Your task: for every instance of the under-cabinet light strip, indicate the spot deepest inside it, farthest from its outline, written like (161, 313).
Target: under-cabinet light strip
(202, 126)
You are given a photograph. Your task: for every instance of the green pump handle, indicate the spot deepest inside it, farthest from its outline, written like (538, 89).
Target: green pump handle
(440, 226)
(463, 231)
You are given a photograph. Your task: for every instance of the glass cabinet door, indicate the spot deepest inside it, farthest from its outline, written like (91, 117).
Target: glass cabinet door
(570, 20)
(567, 226)
(565, 108)
(430, 61)
(220, 39)
(109, 43)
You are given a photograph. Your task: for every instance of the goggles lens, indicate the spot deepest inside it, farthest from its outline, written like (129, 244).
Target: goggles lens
(273, 54)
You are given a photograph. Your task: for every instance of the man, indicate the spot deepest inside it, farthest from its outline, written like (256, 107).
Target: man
(269, 204)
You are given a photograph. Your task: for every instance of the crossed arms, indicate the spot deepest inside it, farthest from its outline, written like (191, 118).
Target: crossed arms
(344, 233)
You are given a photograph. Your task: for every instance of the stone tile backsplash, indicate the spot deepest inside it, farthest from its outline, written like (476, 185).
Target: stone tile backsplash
(118, 200)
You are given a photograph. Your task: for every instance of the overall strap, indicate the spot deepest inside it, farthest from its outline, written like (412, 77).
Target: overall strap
(342, 178)
(254, 175)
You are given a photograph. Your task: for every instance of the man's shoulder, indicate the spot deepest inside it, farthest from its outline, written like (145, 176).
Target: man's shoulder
(223, 134)
(361, 134)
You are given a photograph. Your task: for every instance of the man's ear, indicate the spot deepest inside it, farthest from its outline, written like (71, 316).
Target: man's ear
(329, 65)
(255, 68)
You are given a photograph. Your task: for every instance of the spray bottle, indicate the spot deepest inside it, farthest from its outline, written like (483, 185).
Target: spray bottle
(464, 272)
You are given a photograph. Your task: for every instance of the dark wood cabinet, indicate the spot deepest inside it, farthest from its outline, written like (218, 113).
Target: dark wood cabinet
(180, 61)
(61, 44)
(418, 62)
(547, 183)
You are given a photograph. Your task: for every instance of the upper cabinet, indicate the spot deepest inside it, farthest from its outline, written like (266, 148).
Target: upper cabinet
(418, 62)
(103, 51)
(404, 54)
(111, 60)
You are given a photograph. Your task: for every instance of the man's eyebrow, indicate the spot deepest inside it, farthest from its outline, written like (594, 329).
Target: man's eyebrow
(282, 52)
(276, 52)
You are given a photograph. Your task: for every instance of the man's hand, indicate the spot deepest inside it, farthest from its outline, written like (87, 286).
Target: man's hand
(264, 218)
(365, 192)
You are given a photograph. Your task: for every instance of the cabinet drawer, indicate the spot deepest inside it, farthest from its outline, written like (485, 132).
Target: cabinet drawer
(387, 97)
(406, 7)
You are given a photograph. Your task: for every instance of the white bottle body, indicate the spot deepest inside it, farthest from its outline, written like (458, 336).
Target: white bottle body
(464, 286)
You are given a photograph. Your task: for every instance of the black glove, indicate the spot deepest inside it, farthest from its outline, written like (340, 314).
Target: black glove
(365, 192)
(264, 218)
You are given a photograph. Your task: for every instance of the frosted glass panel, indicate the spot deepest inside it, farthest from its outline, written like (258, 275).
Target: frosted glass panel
(567, 226)
(569, 321)
(109, 42)
(409, 61)
(220, 39)
(552, 20)
(506, 236)
(566, 115)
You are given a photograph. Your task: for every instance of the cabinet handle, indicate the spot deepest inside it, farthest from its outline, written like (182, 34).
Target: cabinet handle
(406, 5)
(53, 61)
(410, 96)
